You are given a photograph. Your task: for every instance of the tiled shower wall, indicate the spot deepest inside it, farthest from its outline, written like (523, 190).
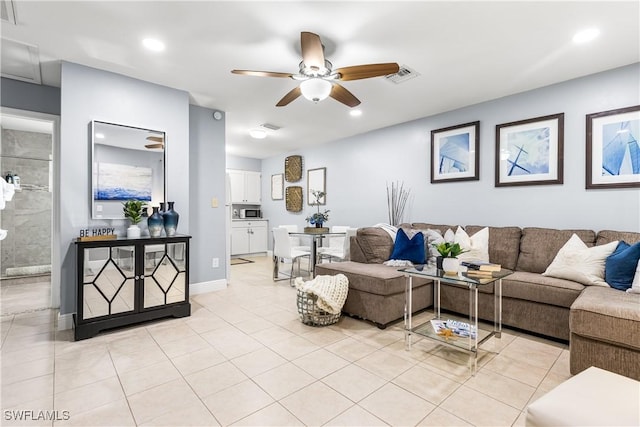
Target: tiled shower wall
(27, 247)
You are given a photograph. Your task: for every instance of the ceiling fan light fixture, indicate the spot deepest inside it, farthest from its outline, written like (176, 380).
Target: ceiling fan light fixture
(315, 89)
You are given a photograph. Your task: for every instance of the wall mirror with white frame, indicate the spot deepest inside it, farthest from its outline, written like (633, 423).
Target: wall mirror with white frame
(127, 163)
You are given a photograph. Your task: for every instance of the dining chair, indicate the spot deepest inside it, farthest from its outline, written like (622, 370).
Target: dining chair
(282, 250)
(339, 246)
(295, 240)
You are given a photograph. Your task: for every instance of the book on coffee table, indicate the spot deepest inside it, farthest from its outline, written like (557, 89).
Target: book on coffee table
(481, 266)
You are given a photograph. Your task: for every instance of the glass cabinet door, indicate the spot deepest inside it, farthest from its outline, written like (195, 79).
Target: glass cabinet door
(108, 283)
(164, 273)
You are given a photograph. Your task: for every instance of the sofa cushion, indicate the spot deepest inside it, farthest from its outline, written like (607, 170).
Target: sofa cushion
(606, 314)
(575, 261)
(409, 248)
(538, 288)
(606, 236)
(504, 244)
(539, 246)
(372, 278)
(620, 266)
(375, 243)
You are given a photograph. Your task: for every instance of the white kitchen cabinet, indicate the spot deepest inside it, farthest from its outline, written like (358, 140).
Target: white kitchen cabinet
(248, 237)
(245, 187)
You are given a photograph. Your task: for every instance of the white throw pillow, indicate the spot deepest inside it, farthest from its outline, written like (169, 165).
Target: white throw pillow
(635, 286)
(575, 261)
(449, 235)
(476, 245)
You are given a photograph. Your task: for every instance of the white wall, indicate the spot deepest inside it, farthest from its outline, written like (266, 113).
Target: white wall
(89, 94)
(359, 168)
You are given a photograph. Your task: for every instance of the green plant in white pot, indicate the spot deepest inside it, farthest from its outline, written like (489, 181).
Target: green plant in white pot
(449, 253)
(132, 210)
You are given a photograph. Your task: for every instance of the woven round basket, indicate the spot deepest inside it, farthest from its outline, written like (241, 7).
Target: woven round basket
(309, 312)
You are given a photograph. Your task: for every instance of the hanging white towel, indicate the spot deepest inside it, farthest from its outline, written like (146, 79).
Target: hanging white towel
(6, 192)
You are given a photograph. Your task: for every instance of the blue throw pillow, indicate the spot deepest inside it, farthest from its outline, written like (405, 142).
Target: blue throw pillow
(409, 249)
(620, 266)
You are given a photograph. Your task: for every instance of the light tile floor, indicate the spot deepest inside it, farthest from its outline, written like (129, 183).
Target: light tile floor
(244, 358)
(19, 295)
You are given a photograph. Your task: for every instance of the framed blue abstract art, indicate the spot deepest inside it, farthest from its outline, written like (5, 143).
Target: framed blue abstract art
(455, 153)
(613, 151)
(530, 152)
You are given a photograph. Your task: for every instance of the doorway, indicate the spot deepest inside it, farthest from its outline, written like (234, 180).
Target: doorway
(27, 153)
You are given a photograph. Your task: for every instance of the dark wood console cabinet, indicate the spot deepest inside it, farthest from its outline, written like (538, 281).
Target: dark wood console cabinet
(126, 281)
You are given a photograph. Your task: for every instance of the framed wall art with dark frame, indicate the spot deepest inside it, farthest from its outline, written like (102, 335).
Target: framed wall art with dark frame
(455, 153)
(530, 152)
(277, 186)
(613, 150)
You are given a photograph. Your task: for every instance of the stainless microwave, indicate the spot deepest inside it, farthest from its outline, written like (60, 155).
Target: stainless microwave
(250, 213)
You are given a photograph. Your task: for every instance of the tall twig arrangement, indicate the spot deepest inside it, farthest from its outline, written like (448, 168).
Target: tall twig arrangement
(397, 197)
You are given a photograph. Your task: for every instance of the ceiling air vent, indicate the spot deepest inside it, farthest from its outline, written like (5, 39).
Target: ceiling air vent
(8, 11)
(20, 61)
(270, 126)
(405, 73)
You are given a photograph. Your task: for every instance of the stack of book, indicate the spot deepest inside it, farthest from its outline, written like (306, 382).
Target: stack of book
(480, 268)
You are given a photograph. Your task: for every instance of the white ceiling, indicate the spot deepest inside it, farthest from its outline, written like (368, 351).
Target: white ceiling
(465, 53)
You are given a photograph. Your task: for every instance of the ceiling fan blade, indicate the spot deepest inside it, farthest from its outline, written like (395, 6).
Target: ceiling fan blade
(357, 72)
(291, 96)
(151, 146)
(261, 73)
(339, 93)
(312, 50)
(155, 139)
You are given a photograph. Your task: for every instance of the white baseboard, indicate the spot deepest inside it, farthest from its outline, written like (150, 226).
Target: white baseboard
(65, 321)
(270, 253)
(204, 287)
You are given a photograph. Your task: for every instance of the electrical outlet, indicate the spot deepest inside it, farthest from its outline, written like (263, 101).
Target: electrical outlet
(215, 262)
(214, 202)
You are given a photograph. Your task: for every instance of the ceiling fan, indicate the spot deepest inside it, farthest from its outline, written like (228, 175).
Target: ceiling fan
(158, 142)
(318, 79)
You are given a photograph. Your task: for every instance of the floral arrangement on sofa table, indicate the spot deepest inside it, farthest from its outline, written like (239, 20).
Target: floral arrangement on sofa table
(318, 218)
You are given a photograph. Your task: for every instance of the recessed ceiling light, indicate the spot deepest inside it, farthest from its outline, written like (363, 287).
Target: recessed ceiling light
(100, 135)
(153, 44)
(258, 133)
(585, 36)
(355, 113)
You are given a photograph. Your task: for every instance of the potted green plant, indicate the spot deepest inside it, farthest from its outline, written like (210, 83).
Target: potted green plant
(132, 210)
(448, 259)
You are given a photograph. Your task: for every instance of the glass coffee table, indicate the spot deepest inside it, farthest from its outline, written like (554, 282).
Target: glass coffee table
(465, 338)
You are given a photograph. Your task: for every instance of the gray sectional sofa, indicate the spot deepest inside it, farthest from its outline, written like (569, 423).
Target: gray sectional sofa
(602, 324)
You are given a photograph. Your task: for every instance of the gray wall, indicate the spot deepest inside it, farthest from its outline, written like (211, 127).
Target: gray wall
(359, 168)
(207, 181)
(30, 97)
(91, 94)
(243, 163)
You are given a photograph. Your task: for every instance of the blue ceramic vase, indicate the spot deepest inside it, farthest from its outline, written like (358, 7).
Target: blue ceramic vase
(155, 223)
(171, 218)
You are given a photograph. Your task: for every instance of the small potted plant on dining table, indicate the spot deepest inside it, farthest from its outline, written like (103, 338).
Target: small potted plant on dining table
(318, 218)
(448, 259)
